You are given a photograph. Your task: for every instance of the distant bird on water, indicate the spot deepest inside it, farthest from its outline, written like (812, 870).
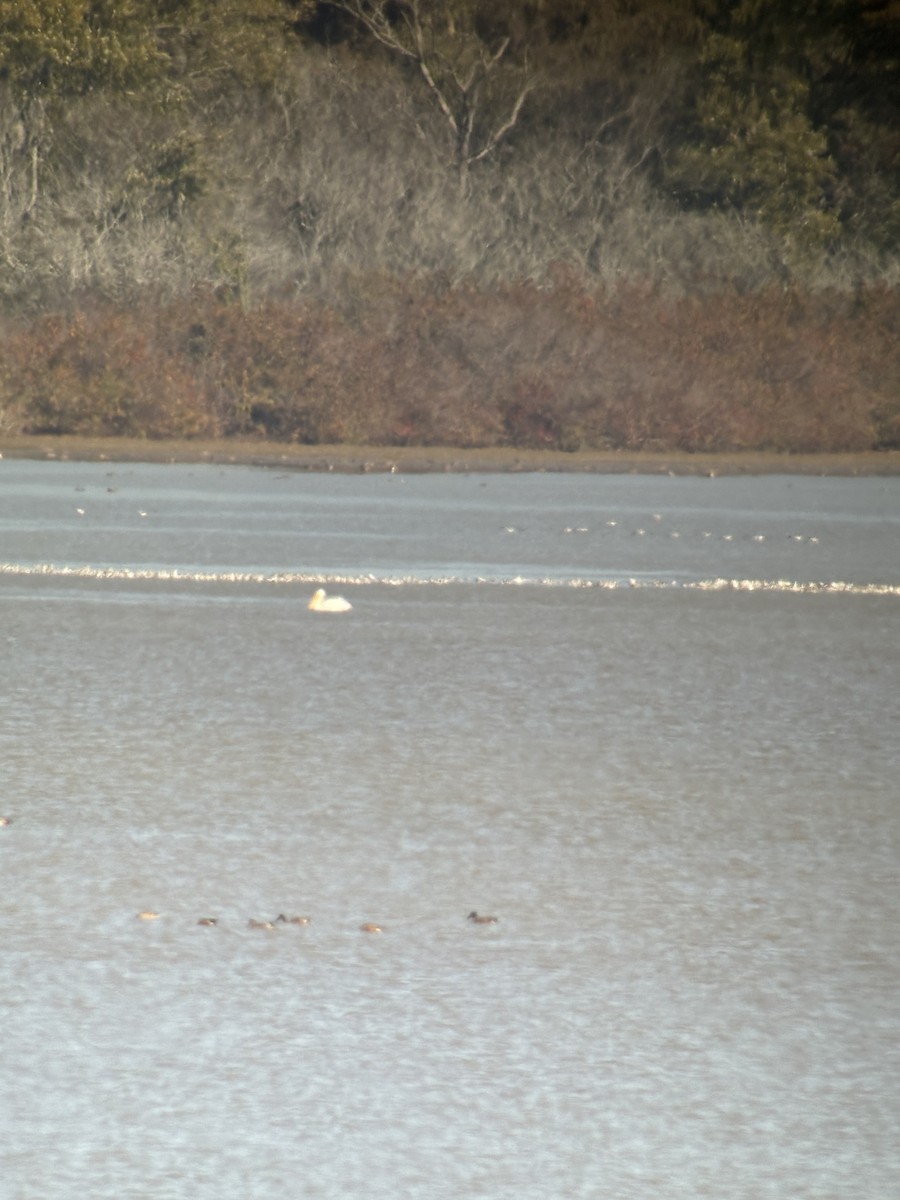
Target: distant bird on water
(370, 928)
(320, 602)
(476, 920)
(281, 919)
(148, 915)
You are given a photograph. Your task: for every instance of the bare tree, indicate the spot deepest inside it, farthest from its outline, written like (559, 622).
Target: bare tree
(470, 74)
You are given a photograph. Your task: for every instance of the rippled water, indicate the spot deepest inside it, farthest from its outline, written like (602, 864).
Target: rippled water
(679, 795)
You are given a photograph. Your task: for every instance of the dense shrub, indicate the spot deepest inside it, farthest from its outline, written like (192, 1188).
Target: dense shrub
(626, 224)
(408, 362)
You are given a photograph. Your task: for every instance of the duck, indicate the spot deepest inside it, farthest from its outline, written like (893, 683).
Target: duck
(251, 924)
(281, 919)
(476, 920)
(321, 602)
(208, 921)
(368, 927)
(148, 915)
(5, 821)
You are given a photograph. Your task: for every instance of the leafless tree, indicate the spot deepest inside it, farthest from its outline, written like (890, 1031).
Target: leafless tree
(472, 77)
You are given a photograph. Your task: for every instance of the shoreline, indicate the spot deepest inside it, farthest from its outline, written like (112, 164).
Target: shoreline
(444, 459)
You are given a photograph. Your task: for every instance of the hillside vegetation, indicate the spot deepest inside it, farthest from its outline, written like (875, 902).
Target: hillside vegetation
(622, 224)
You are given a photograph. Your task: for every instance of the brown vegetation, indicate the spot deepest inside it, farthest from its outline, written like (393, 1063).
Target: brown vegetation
(623, 225)
(565, 368)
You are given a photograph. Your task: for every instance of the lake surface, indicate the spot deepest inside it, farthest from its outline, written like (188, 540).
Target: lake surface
(649, 723)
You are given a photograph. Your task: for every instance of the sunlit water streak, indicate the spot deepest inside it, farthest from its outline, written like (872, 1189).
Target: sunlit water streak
(293, 577)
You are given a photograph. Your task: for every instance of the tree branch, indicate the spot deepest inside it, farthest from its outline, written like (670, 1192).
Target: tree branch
(454, 69)
(507, 125)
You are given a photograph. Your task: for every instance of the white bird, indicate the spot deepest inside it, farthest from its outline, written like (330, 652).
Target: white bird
(322, 603)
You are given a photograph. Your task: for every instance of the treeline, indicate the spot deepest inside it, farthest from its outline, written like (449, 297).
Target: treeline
(561, 222)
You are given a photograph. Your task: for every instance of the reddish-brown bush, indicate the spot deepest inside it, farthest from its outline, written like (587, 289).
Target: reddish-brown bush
(411, 362)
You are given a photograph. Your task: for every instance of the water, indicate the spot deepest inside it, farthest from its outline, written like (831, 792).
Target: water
(668, 765)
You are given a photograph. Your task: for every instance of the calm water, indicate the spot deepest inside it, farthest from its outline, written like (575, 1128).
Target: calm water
(679, 796)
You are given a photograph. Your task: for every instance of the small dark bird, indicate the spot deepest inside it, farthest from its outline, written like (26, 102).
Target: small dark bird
(281, 919)
(476, 920)
(208, 921)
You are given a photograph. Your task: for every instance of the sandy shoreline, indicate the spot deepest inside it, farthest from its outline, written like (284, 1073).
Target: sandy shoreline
(428, 459)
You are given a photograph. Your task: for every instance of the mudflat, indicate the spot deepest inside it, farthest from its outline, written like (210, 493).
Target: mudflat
(426, 459)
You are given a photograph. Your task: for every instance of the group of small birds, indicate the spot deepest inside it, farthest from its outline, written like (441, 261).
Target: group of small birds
(674, 533)
(149, 914)
(367, 927)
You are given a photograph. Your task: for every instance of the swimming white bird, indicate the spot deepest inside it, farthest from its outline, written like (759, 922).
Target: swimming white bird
(322, 603)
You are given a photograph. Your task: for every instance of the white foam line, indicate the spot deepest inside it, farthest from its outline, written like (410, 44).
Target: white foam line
(167, 574)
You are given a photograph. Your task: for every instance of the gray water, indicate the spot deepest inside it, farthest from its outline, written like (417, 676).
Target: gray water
(665, 760)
